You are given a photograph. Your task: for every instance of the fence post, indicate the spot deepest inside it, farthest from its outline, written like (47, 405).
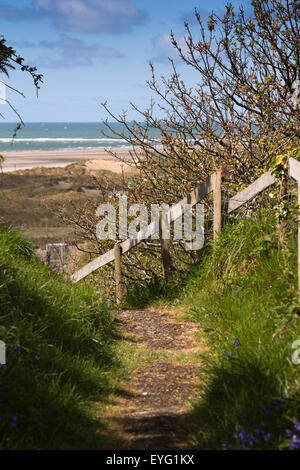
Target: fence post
(217, 195)
(118, 272)
(164, 245)
(48, 254)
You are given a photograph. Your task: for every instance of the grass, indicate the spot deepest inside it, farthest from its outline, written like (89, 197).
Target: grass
(244, 299)
(59, 355)
(243, 296)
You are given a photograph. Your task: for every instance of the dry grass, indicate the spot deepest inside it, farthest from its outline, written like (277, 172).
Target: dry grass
(32, 197)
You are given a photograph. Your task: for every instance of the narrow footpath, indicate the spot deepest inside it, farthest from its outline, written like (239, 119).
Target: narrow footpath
(153, 413)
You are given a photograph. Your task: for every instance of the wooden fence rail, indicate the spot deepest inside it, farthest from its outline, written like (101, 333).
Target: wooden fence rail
(212, 184)
(152, 229)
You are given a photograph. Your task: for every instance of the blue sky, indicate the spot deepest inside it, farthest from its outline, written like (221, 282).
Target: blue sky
(91, 51)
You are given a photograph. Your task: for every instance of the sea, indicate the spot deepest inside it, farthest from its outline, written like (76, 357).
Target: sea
(38, 136)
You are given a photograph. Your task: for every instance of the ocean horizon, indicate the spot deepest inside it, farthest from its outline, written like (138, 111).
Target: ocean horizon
(45, 136)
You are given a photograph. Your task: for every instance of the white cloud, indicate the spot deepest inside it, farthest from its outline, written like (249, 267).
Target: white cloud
(74, 52)
(81, 16)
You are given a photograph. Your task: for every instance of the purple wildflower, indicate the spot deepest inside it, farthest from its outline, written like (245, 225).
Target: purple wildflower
(16, 351)
(37, 358)
(246, 439)
(266, 435)
(296, 424)
(13, 421)
(227, 356)
(236, 343)
(295, 444)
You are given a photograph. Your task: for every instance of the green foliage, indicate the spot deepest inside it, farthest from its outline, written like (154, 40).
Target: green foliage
(156, 290)
(58, 353)
(9, 59)
(244, 298)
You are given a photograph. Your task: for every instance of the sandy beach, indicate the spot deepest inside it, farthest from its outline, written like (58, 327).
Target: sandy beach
(98, 159)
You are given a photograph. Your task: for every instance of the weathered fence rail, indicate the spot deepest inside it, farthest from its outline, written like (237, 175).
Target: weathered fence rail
(212, 184)
(251, 191)
(173, 214)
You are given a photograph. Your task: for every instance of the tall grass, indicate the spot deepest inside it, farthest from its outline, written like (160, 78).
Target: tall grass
(243, 295)
(58, 353)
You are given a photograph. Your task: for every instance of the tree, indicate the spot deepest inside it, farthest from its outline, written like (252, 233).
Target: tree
(10, 60)
(240, 114)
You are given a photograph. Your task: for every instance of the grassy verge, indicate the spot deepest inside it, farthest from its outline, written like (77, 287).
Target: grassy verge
(59, 355)
(244, 297)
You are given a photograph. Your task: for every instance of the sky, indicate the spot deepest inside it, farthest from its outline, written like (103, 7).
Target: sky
(91, 51)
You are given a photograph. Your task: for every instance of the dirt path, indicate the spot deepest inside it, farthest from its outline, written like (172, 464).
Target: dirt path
(153, 414)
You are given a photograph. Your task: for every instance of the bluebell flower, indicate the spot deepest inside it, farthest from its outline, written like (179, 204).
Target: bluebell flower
(246, 439)
(296, 424)
(13, 422)
(227, 356)
(295, 444)
(16, 351)
(236, 343)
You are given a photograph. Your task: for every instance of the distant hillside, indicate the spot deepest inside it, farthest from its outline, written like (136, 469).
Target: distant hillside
(30, 199)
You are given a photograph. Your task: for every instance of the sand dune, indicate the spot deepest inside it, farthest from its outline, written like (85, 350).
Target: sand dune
(100, 159)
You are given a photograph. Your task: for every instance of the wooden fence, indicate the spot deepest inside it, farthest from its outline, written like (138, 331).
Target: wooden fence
(212, 184)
